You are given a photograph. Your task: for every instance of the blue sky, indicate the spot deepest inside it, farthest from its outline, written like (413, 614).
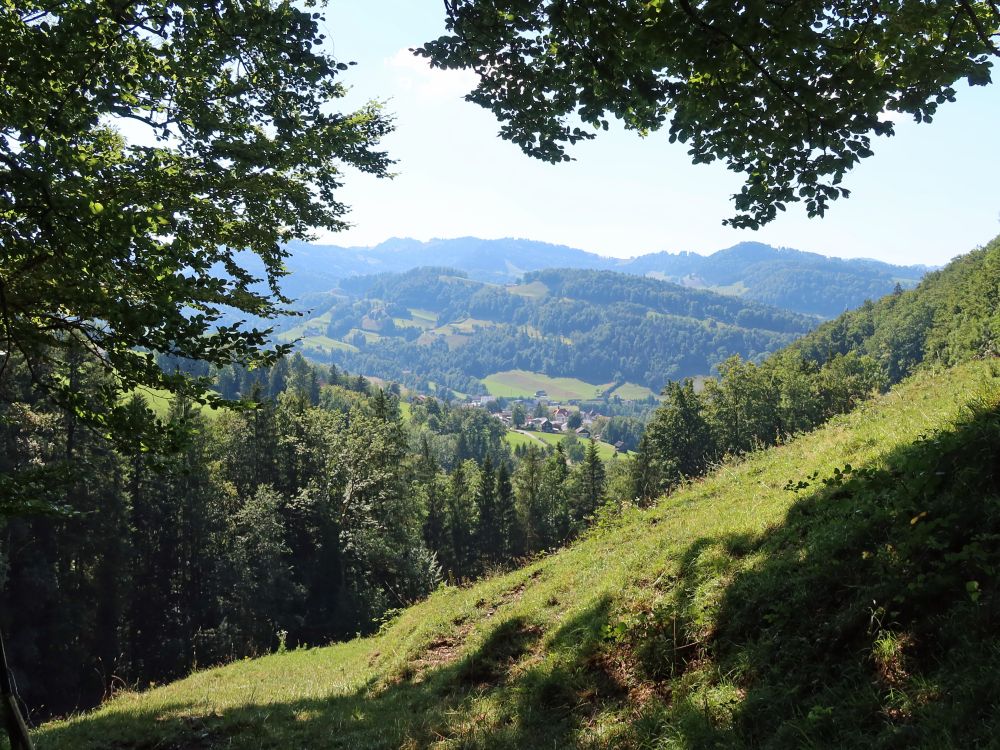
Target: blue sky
(929, 193)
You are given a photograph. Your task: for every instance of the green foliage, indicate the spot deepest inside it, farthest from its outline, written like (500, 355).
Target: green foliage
(826, 372)
(131, 248)
(787, 96)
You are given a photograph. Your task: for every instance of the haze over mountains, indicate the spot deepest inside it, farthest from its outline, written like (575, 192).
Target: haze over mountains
(803, 282)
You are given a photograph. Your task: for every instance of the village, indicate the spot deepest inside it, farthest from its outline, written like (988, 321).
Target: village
(542, 414)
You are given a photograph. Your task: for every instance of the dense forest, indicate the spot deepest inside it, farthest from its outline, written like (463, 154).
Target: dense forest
(304, 519)
(598, 326)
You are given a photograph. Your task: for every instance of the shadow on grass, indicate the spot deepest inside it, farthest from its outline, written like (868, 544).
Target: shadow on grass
(529, 705)
(868, 618)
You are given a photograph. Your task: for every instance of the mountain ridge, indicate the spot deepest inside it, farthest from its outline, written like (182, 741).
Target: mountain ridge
(804, 282)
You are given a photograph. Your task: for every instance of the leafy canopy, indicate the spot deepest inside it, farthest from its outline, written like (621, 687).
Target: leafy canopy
(787, 93)
(136, 246)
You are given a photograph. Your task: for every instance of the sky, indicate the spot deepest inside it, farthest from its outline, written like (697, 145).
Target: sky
(930, 193)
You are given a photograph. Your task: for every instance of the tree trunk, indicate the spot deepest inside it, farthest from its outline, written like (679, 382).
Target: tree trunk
(17, 731)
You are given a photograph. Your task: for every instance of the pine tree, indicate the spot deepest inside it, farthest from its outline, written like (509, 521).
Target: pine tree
(488, 533)
(555, 492)
(590, 485)
(532, 508)
(506, 515)
(460, 524)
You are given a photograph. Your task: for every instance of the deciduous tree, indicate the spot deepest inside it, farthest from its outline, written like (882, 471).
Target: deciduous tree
(787, 94)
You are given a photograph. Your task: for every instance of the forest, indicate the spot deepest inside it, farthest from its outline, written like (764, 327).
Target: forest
(807, 283)
(598, 326)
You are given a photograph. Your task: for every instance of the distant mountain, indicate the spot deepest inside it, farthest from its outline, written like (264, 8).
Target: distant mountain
(803, 282)
(435, 326)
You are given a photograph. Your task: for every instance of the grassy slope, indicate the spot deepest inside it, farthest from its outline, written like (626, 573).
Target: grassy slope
(733, 614)
(159, 401)
(632, 392)
(521, 383)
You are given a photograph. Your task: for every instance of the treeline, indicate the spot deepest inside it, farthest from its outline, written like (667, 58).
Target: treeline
(953, 315)
(302, 520)
(598, 326)
(605, 288)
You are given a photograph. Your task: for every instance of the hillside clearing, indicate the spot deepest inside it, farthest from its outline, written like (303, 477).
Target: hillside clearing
(524, 384)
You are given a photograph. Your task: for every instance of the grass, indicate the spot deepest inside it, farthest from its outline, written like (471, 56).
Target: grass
(521, 383)
(406, 410)
(159, 401)
(311, 327)
(534, 290)
(325, 344)
(632, 392)
(517, 439)
(466, 325)
(427, 317)
(735, 613)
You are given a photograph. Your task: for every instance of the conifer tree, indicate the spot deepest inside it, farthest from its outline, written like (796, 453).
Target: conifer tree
(488, 533)
(506, 515)
(589, 485)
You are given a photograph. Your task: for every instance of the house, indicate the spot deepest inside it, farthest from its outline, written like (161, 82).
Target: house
(561, 412)
(620, 446)
(583, 432)
(541, 394)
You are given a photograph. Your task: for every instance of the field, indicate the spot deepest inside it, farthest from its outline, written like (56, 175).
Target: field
(632, 392)
(735, 613)
(324, 344)
(312, 327)
(534, 290)
(513, 438)
(523, 384)
(516, 439)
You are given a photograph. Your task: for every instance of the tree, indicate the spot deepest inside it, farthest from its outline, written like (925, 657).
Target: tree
(679, 441)
(132, 248)
(532, 508)
(506, 513)
(789, 95)
(518, 415)
(489, 540)
(589, 484)
(137, 246)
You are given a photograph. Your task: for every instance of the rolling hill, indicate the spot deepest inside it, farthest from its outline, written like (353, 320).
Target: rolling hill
(808, 283)
(438, 326)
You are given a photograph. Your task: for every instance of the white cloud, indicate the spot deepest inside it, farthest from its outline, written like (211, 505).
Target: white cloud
(415, 74)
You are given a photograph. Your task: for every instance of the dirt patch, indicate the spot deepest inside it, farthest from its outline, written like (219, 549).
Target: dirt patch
(445, 649)
(491, 662)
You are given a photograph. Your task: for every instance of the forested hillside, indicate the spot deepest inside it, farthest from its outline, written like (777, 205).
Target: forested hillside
(838, 590)
(435, 325)
(307, 518)
(807, 283)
